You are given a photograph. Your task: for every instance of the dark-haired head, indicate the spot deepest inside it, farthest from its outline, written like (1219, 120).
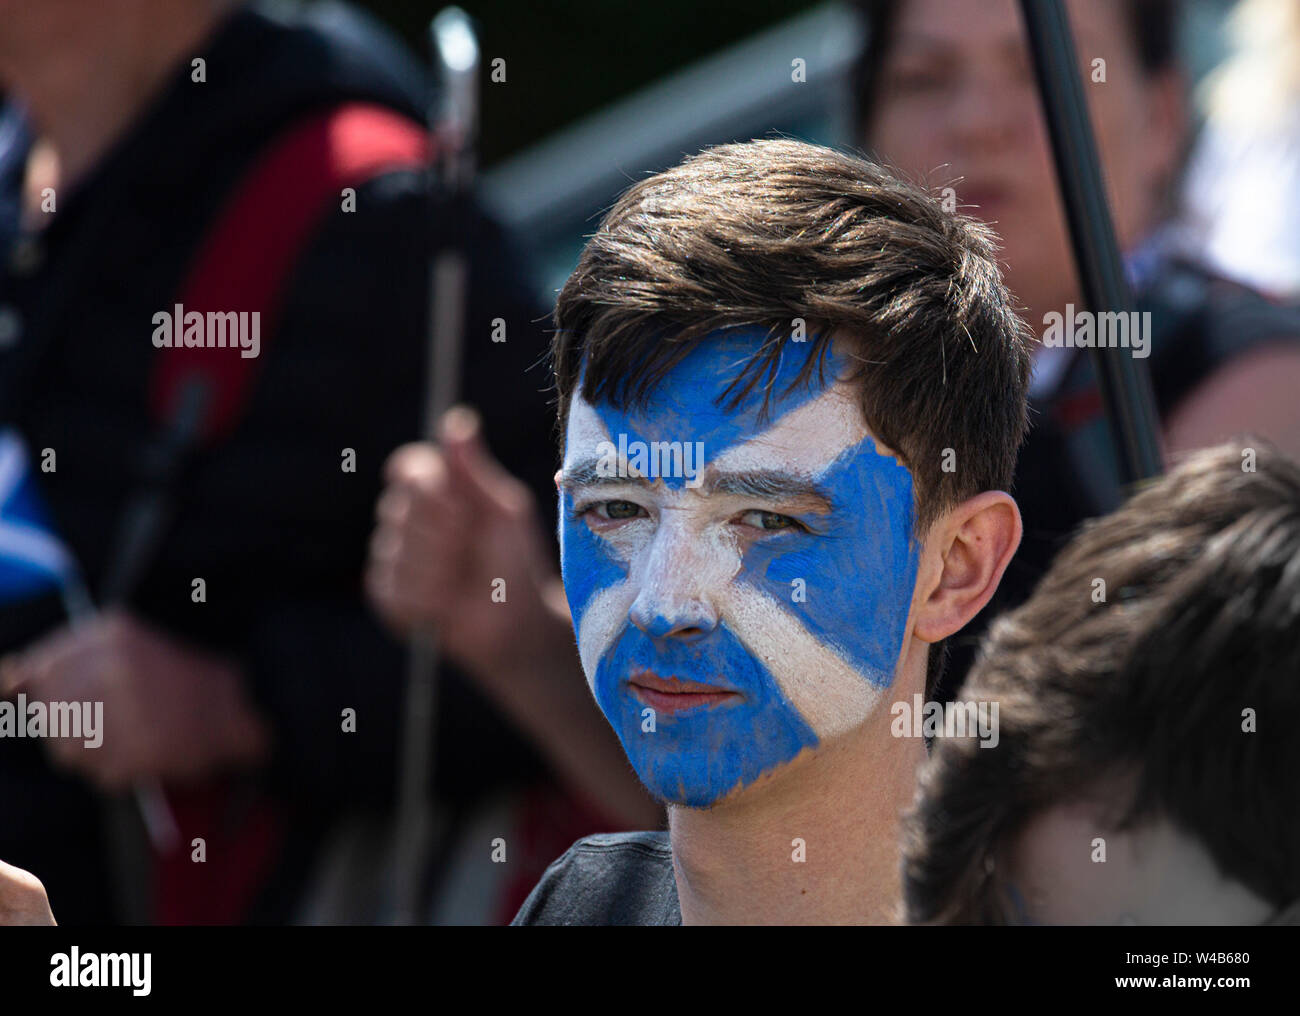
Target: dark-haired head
(800, 241)
(1148, 695)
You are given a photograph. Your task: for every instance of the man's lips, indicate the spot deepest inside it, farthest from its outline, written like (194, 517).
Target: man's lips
(673, 695)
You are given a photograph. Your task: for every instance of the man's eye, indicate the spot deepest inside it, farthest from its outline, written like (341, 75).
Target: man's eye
(769, 521)
(616, 510)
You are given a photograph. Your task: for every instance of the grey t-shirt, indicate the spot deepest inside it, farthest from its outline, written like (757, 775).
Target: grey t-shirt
(613, 878)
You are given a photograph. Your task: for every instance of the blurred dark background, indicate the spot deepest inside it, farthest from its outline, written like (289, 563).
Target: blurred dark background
(569, 59)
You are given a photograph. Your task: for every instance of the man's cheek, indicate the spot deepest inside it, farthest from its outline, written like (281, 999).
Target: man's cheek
(587, 564)
(851, 584)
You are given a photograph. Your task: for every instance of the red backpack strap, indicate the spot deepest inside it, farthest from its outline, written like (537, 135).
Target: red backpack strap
(243, 265)
(245, 260)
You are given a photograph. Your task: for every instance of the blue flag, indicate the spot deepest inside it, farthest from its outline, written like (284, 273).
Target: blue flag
(33, 559)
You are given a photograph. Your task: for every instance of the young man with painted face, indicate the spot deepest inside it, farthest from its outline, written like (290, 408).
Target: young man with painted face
(792, 389)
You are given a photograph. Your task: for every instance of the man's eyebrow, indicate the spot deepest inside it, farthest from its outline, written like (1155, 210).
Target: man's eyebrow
(770, 484)
(588, 473)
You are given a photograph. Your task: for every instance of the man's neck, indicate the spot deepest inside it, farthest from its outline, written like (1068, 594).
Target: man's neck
(85, 72)
(816, 845)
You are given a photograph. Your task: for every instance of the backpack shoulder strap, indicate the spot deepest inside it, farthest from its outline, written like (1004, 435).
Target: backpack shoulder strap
(246, 257)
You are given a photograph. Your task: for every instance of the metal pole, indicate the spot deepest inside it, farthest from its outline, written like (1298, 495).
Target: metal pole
(1123, 380)
(455, 125)
(134, 824)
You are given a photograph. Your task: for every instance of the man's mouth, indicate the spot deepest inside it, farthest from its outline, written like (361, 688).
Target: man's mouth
(673, 695)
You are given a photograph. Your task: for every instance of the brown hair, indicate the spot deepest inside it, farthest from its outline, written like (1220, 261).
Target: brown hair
(1200, 621)
(761, 234)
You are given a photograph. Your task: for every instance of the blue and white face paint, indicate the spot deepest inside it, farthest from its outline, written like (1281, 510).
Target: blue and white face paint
(753, 602)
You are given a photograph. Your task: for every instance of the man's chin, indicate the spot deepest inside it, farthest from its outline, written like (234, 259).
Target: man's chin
(711, 798)
(678, 793)
(704, 801)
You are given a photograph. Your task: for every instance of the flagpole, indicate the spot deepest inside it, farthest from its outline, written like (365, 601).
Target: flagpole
(455, 125)
(1123, 380)
(142, 527)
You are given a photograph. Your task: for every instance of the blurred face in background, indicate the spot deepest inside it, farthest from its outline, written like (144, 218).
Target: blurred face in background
(956, 98)
(1071, 865)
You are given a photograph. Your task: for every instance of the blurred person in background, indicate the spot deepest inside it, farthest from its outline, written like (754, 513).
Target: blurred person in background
(946, 93)
(14, 149)
(243, 158)
(1145, 767)
(1242, 191)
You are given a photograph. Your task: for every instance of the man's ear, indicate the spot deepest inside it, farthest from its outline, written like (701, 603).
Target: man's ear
(973, 544)
(557, 478)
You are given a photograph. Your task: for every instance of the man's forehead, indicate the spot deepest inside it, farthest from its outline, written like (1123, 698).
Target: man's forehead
(700, 391)
(697, 400)
(803, 440)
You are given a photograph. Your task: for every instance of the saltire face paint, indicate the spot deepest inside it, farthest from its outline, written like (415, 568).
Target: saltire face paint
(733, 615)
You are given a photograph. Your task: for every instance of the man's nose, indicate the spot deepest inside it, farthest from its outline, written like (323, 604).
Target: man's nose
(674, 599)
